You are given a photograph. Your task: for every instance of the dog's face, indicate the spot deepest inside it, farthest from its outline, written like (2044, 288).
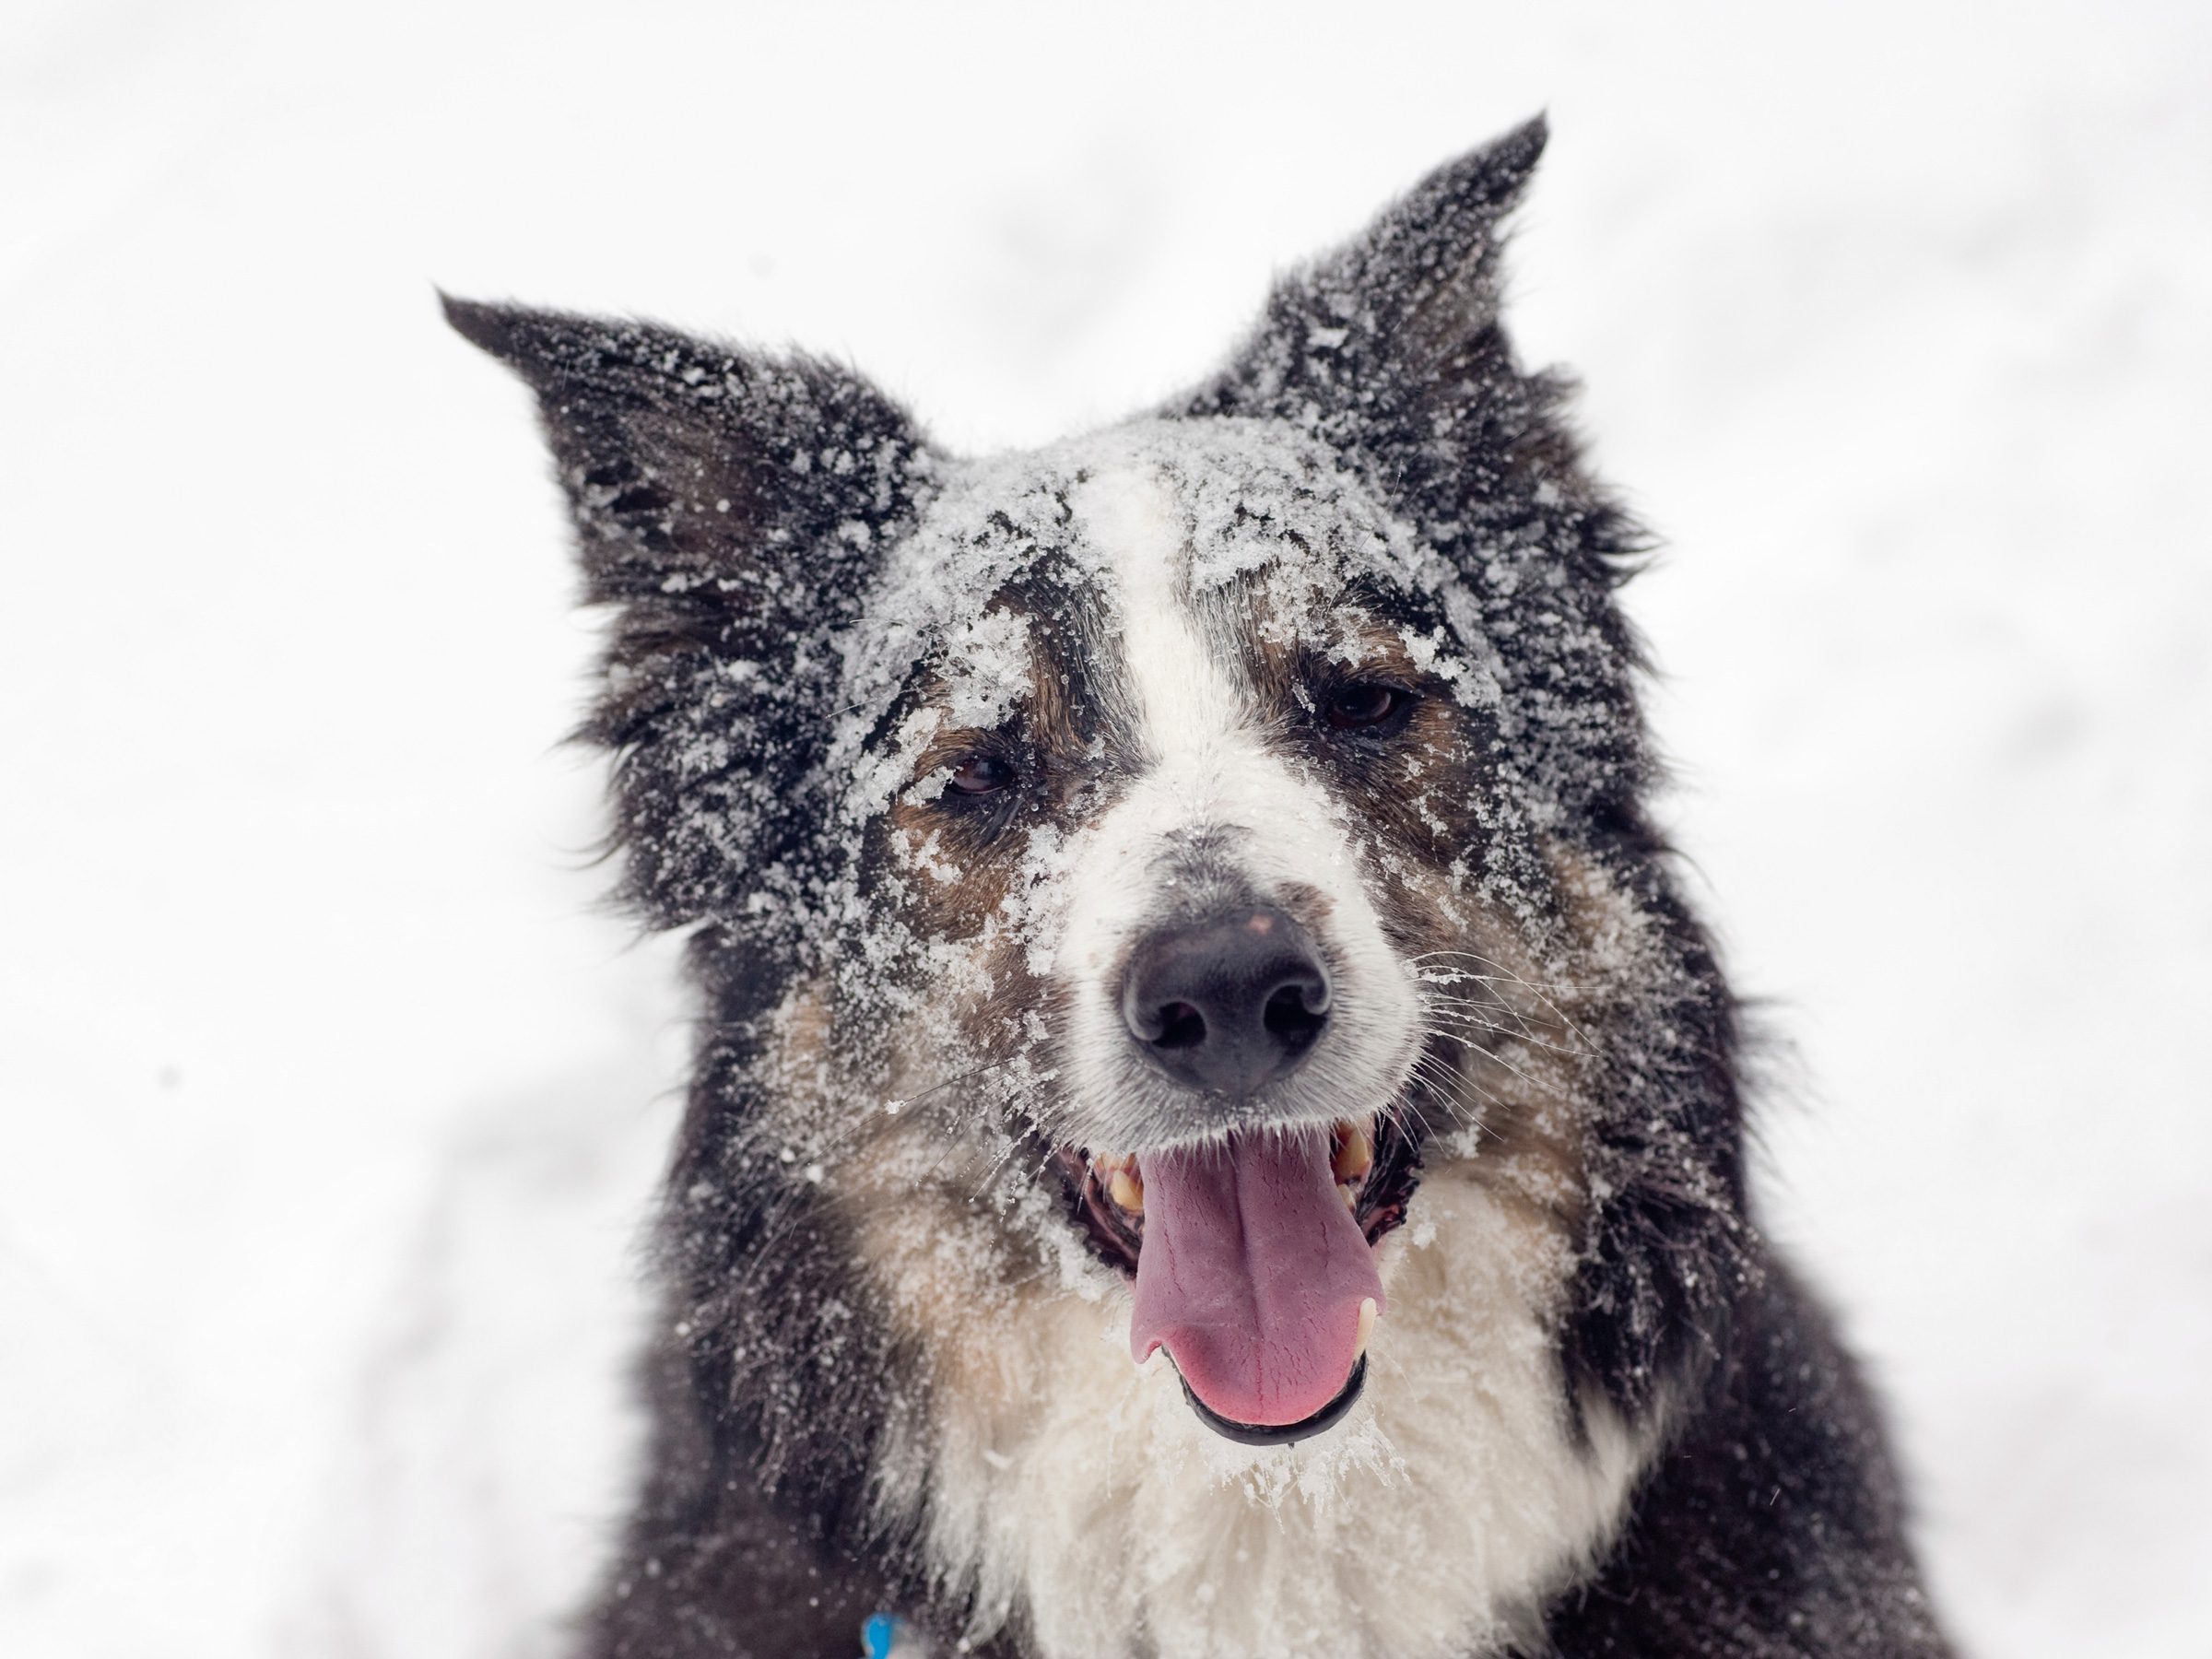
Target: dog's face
(1148, 877)
(1190, 808)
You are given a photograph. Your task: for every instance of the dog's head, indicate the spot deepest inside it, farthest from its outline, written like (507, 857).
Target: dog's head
(1205, 826)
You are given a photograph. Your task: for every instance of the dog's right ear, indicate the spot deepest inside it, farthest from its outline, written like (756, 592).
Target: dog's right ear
(731, 507)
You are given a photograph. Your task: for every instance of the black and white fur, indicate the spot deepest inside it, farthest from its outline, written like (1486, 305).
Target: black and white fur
(1601, 1418)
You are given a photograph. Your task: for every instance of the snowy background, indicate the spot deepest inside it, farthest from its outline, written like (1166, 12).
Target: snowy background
(329, 1104)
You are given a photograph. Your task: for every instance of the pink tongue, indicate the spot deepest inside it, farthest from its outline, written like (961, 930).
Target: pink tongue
(1251, 1275)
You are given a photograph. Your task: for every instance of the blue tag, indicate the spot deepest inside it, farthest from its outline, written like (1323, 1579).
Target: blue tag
(876, 1636)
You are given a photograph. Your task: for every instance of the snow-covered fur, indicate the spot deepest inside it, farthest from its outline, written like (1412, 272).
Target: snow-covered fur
(923, 751)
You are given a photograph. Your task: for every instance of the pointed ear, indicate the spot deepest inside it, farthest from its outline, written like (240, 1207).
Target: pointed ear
(1410, 301)
(1391, 350)
(731, 507)
(687, 460)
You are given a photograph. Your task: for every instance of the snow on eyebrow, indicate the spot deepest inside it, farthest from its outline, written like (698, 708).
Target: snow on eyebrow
(987, 668)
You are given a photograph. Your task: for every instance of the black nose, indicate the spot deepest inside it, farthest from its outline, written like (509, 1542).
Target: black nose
(1228, 1004)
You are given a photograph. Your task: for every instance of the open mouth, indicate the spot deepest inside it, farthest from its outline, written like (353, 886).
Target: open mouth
(1254, 1262)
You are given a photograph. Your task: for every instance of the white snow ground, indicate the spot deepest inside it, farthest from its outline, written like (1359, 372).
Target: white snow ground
(328, 1104)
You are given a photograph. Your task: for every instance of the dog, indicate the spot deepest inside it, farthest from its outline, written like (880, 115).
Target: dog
(1214, 1131)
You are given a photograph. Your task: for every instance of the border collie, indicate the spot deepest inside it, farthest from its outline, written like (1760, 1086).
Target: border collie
(1215, 1132)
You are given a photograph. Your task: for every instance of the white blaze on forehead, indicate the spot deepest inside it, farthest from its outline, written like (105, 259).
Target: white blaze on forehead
(1205, 767)
(1137, 529)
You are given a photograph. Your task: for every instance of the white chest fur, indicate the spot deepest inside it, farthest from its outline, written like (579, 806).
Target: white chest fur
(1081, 1498)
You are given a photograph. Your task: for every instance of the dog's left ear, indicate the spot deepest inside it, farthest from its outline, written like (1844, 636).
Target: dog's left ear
(1391, 349)
(731, 507)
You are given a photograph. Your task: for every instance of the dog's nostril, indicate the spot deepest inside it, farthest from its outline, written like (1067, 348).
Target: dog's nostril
(1180, 1027)
(1297, 1012)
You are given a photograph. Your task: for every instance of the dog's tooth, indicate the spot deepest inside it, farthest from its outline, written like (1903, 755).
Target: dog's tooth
(1366, 1324)
(1128, 1191)
(1108, 1162)
(1349, 1193)
(1355, 1152)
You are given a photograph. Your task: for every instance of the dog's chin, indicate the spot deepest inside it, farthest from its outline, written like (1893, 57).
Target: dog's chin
(1258, 1279)
(1282, 1434)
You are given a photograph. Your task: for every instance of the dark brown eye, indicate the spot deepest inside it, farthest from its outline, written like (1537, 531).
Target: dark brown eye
(1370, 706)
(981, 775)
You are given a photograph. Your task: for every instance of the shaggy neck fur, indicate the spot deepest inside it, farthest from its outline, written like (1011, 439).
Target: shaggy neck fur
(1077, 1500)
